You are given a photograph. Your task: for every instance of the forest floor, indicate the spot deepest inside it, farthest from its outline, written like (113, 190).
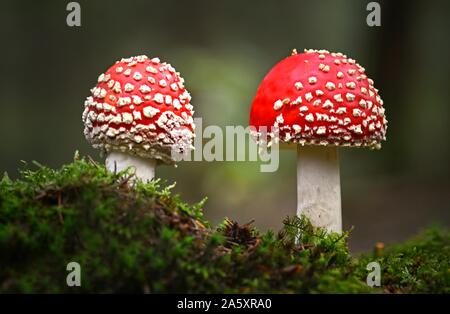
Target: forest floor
(139, 238)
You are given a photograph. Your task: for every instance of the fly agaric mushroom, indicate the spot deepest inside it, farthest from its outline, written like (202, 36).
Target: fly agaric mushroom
(318, 101)
(139, 114)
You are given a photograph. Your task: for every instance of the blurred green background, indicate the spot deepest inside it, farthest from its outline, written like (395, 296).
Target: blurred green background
(223, 49)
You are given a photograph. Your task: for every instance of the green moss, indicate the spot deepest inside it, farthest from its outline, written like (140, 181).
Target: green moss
(420, 265)
(140, 238)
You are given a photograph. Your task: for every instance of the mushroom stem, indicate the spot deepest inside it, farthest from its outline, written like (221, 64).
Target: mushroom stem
(319, 187)
(143, 168)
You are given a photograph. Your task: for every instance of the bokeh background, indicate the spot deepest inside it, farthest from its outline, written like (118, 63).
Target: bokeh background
(223, 49)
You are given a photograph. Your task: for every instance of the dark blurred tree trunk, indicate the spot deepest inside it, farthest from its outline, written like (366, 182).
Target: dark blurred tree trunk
(392, 46)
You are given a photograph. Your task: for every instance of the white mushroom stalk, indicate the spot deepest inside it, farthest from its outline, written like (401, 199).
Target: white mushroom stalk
(319, 186)
(142, 168)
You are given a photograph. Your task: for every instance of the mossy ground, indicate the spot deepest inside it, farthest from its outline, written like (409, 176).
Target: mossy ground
(139, 238)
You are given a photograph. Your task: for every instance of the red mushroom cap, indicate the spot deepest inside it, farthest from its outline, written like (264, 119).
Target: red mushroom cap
(319, 98)
(140, 106)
